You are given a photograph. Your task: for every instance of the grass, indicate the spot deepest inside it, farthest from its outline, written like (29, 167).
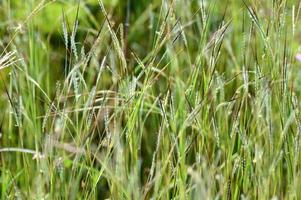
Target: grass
(161, 99)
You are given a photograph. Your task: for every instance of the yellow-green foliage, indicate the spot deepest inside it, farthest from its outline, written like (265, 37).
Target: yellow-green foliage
(150, 99)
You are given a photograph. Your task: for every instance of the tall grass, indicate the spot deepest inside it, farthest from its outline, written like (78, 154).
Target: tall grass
(161, 99)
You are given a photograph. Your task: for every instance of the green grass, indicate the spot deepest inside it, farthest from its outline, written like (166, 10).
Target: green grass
(150, 99)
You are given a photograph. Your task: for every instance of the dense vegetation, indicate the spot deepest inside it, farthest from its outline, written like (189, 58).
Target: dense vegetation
(150, 99)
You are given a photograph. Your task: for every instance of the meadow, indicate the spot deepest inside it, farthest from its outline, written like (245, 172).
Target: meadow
(150, 99)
